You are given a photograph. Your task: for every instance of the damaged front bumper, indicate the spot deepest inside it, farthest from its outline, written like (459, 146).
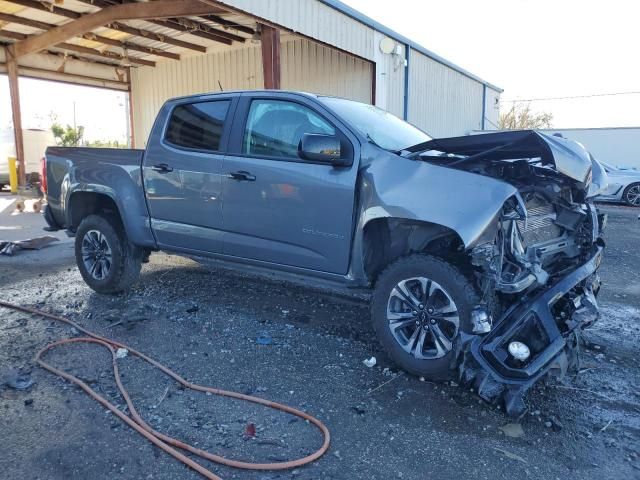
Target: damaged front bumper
(498, 377)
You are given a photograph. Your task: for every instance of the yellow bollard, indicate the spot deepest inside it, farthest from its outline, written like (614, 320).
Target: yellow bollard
(13, 174)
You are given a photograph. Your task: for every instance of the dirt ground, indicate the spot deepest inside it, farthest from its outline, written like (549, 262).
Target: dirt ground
(205, 324)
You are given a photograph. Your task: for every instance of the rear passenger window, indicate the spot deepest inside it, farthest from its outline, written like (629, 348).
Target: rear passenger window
(197, 125)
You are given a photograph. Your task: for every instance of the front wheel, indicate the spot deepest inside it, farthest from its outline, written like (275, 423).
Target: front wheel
(631, 195)
(420, 305)
(107, 261)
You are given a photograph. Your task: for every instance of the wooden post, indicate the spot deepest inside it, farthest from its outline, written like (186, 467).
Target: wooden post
(130, 119)
(14, 92)
(270, 40)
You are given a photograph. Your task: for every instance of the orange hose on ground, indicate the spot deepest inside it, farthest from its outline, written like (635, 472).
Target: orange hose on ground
(136, 422)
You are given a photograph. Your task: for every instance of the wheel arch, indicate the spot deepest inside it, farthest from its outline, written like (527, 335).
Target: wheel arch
(81, 204)
(386, 239)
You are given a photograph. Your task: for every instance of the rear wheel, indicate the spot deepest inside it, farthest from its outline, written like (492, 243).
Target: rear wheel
(631, 195)
(420, 305)
(107, 261)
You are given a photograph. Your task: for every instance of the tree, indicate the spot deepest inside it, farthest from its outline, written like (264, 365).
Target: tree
(521, 117)
(67, 136)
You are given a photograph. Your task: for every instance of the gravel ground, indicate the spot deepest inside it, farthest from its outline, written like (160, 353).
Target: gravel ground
(205, 324)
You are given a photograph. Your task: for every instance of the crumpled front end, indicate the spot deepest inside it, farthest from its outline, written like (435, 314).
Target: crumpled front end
(536, 266)
(535, 336)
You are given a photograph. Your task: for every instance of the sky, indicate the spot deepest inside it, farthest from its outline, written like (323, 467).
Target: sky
(534, 49)
(531, 48)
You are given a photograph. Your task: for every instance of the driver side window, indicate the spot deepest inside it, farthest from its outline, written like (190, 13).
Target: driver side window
(275, 127)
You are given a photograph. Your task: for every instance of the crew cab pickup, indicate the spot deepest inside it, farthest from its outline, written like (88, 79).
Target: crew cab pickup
(480, 252)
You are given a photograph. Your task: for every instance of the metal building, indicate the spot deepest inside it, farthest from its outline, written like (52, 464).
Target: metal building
(164, 48)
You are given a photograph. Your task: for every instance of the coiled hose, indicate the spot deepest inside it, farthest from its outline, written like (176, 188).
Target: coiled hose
(136, 422)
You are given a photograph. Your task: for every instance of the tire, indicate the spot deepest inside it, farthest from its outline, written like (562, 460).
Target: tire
(631, 195)
(450, 290)
(119, 262)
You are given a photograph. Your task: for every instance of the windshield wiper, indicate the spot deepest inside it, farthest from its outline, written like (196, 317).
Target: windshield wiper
(373, 142)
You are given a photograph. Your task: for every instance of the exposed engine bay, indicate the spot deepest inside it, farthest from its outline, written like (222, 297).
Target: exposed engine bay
(536, 264)
(542, 233)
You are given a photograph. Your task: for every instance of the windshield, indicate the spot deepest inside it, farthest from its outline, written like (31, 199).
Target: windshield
(384, 129)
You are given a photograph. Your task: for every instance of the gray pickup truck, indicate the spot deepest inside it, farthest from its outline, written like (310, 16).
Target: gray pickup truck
(480, 252)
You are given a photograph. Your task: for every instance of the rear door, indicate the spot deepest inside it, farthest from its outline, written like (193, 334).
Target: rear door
(278, 207)
(182, 173)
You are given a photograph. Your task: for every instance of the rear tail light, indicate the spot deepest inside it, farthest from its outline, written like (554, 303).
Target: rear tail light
(43, 175)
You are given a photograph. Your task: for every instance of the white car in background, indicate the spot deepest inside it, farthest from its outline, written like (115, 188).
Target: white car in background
(624, 186)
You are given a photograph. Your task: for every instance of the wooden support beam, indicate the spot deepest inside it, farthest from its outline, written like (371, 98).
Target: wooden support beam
(156, 36)
(81, 49)
(88, 36)
(174, 25)
(12, 35)
(130, 46)
(270, 40)
(27, 22)
(51, 8)
(183, 24)
(199, 27)
(14, 92)
(228, 24)
(130, 120)
(104, 54)
(139, 32)
(127, 11)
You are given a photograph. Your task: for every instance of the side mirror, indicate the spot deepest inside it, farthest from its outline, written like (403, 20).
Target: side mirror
(321, 148)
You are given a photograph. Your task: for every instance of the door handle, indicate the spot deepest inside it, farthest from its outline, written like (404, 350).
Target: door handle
(162, 168)
(242, 175)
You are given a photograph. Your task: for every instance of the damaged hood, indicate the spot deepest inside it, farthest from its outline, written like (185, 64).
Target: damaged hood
(566, 156)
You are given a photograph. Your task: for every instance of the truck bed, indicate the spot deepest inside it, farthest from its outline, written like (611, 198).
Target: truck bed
(113, 172)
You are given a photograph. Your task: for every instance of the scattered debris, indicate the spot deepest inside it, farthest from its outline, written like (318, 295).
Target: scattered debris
(385, 383)
(28, 402)
(193, 309)
(10, 247)
(556, 425)
(264, 339)
(606, 426)
(370, 362)
(510, 455)
(164, 395)
(513, 430)
(122, 352)
(17, 381)
(250, 430)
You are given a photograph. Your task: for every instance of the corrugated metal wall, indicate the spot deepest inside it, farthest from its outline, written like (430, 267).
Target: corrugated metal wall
(312, 67)
(306, 66)
(390, 73)
(152, 86)
(315, 20)
(442, 102)
(492, 110)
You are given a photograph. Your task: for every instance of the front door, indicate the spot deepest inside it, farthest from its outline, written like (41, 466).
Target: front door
(278, 207)
(183, 174)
